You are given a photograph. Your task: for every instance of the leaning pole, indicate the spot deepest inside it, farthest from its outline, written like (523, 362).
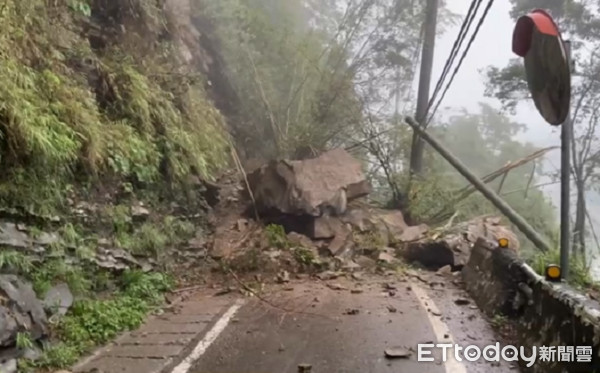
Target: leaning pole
(488, 193)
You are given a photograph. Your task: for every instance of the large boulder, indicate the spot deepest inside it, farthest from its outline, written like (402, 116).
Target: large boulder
(310, 187)
(452, 246)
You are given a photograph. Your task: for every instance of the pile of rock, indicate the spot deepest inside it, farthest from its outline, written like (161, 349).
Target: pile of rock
(319, 200)
(452, 246)
(319, 203)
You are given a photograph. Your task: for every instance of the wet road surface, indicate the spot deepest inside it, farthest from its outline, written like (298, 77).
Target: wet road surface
(346, 326)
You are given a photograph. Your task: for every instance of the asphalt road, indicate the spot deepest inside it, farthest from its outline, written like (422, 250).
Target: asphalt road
(348, 328)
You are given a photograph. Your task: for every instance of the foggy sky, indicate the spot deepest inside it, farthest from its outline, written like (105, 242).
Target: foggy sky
(492, 47)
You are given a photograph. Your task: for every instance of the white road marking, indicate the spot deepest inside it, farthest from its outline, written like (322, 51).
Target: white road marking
(208, 339)
(440, 329)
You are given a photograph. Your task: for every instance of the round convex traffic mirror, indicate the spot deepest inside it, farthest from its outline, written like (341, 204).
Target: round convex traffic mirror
(537, 39)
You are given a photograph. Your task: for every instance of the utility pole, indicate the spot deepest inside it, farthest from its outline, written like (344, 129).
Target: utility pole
(539, 241)
(565, 185)
(429, 26)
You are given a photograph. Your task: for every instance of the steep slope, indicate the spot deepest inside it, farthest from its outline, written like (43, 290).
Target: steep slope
(108, 139)
(101, 91)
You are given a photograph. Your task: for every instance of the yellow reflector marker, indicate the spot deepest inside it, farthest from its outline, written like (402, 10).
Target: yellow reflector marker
(553, 272)
(503, 242)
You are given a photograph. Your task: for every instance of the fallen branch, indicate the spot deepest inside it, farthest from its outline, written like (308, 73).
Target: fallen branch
(240, 168)
(468, 190)
(534, 186)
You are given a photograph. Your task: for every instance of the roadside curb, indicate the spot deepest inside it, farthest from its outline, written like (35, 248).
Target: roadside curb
(163, 341)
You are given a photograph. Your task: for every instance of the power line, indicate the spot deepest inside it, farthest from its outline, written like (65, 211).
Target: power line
(485, 12)
(464, 29)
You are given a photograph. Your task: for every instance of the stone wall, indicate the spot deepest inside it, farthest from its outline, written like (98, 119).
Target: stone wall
(544, 313)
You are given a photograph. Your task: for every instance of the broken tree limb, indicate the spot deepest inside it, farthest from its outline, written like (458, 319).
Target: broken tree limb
(240, 168)
(530, 187)
(488, 193)
(465, 192)
(469, 189)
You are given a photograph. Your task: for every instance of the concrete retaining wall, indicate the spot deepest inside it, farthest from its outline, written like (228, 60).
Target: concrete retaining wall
(546, 314)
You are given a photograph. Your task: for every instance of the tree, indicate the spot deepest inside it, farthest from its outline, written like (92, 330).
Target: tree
(581, 24)
(311, 75)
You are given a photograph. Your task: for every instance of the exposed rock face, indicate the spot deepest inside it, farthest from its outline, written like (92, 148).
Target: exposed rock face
(310, 187)
(19, 309)
(16, 236)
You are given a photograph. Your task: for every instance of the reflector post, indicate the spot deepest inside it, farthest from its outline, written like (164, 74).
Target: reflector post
(553, 273)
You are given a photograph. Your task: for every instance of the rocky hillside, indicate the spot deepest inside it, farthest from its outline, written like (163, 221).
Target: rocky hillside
(109, 139)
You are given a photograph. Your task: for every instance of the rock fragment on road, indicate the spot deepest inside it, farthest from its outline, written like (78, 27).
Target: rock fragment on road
(397, 353)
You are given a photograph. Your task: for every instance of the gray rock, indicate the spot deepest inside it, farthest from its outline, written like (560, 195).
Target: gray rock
(139, 212)
(104, 242)
(309, 187)
(22, 307)
(412, 234)
(436, 254)
(445, 270)
(9, 366)
(365, 262)
(283, 277)
(59, 299)
(11, 236)
(8, 327)
(386, 258)
(397, 353)
(115, 259)
(16, 236)
(328, 275)
(300, 240)
(46, 239)
(341, 240)
(32, 354)
(198, 242)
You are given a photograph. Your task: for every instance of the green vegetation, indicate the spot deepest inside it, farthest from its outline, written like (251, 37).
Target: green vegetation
(485, 142)
(498, 321)
(276, 236)
(368, 241)
(579, 274)
(107, 302)
(151, 239)
(92, 322)
(58, 127)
